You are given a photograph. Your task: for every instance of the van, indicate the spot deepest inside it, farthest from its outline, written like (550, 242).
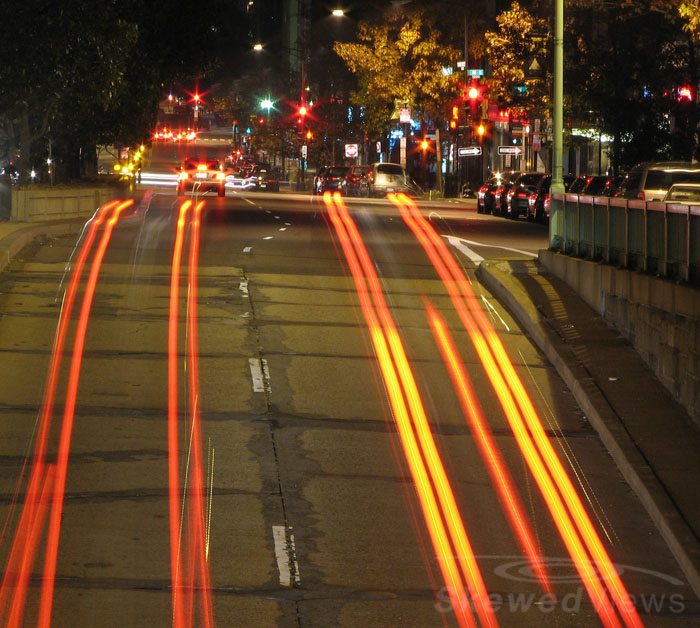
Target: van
(387, 177)
(651, 180)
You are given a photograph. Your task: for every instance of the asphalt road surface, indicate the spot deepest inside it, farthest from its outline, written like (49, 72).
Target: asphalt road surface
(273, 410)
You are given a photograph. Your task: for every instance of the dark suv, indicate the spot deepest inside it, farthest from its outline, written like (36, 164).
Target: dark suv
(330, 179)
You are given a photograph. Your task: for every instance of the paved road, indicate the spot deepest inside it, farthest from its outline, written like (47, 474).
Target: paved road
(267, 433)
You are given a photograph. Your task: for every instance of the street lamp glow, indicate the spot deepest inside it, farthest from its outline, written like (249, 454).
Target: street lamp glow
(258, 47)
(266, 104)
(338, 12)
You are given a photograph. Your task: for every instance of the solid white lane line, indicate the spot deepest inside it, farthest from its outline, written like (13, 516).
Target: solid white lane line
(247, 249)
(244, 289)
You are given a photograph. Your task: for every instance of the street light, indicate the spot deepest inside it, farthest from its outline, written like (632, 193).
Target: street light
(338, 12)
(258, 47)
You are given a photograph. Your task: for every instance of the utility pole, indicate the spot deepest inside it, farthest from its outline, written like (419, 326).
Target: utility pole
(556, 224)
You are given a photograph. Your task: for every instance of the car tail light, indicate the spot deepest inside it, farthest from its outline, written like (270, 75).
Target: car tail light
(183, 175)
(547, 203)
(640, 196)
(531, 200)
(201, 167)
(220, 176)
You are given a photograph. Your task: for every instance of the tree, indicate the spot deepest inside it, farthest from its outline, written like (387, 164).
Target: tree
(519, 42)
(624, 65)
(403, 58)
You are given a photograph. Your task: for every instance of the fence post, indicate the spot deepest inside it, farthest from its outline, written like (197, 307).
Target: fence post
(646, 230)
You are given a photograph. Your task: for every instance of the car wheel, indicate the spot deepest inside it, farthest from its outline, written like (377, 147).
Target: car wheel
(479, 208)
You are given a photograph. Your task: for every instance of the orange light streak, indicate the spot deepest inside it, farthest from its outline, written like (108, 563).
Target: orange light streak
(173, 458)
(527, 427)
(46, 601)
(414, 429)
(197, 509)
(38, 469)
(500, 476)
(36, 528)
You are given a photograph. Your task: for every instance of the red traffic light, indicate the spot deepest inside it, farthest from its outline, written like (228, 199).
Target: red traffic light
(453, 124)
(309, 135)
(302, 110)
(473, 92)
(261, 121)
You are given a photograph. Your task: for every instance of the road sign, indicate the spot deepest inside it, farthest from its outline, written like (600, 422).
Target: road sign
(304, 151)
(351, 150)
(536, 142)
(510, 150)
(469, 151)
(476, 73)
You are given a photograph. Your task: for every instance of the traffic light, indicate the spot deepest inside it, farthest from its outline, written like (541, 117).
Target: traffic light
(309, 135)
(474, 96)
(455, 118)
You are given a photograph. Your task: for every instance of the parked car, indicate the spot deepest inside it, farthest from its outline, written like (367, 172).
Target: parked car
(517, 195)
(500, 195)
(684, 193)
(355, 181)
(595, 184)
(612, 185)
(578, 184)
(484, 195)
(386, 177)
(651, 181)
(201, 175)
(536, 209)
(330, 179)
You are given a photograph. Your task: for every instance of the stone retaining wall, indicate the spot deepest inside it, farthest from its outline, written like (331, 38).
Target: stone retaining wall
(659, 317)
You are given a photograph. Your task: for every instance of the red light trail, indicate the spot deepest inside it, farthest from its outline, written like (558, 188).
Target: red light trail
(553, 481)
(187, 556)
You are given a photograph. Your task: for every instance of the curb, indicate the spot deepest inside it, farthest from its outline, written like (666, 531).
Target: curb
(14, 242)
(613, 434)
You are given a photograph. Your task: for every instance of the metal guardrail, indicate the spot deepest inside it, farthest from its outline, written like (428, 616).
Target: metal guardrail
(649, 236)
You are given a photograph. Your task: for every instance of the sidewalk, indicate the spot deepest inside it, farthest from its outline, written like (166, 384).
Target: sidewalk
(650, 436)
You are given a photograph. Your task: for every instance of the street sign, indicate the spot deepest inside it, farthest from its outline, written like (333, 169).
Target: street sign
(510, 150)
(351, 150)
(536, 142)
(404, 115)
(469, 151)
(304, 151)
(476, 73)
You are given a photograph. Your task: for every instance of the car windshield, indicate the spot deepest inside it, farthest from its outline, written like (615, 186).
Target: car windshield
(664, 179)
(393, 169)
(337, 171)
(684, 193)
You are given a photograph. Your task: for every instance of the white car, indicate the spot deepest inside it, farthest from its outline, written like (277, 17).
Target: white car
(688, 193)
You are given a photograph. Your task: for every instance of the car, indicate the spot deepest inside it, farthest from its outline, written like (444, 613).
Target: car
(484, 195)
(330, 179)
(578, 184)
(201, 175)
(683, 193)
(612, 185)
(261, 176)
(538, 201)
(355, 181)
(650, 181)
(500, 195)
(268, 179)
(517, 196)
(385, 177)
(595, 184)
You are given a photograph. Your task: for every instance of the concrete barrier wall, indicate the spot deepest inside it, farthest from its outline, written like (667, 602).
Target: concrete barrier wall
(34, 204)
(659, 317)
